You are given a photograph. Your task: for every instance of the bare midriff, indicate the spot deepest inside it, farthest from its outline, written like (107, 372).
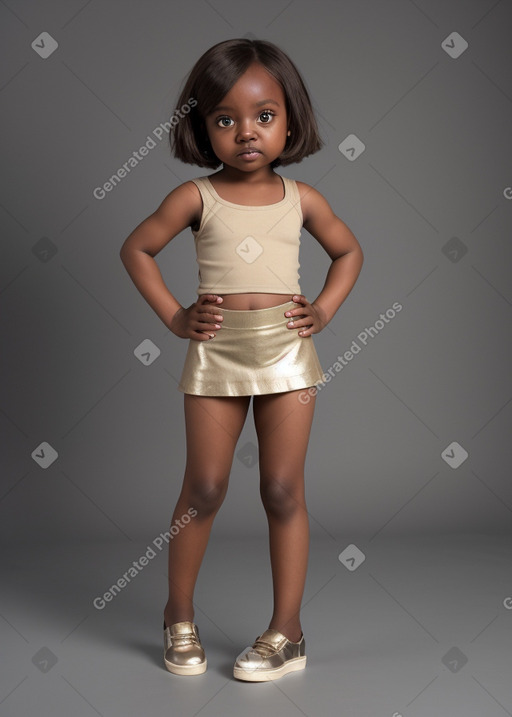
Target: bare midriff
(249, 302)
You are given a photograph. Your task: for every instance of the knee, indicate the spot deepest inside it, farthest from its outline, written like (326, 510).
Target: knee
(206, 496)
(280, 497)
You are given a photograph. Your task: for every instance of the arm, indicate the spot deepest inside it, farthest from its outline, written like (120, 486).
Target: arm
(179, 210)
(346, 255)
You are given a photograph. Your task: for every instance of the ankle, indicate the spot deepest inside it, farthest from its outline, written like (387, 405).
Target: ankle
(291, 632)
(171, 617)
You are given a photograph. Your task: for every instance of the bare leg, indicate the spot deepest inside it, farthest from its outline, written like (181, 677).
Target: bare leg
(213, 426)
(283, 425)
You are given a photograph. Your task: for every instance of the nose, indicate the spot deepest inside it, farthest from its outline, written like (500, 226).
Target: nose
(246, 131)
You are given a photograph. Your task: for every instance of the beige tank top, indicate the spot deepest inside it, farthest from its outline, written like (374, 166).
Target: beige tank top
(243, 249)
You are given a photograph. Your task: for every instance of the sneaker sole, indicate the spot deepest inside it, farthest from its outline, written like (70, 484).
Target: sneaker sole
(298, 663)
(185, 669)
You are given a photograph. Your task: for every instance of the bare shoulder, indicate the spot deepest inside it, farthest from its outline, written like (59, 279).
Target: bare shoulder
(184, 201)
(180, 209)
(322, 223)
(312, 202)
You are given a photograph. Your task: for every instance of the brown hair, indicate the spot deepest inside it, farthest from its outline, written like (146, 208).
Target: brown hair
(211, 78)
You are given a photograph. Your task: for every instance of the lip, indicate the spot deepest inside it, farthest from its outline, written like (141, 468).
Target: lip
(249, 153)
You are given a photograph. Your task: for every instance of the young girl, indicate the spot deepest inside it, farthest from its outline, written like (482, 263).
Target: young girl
(250, 330)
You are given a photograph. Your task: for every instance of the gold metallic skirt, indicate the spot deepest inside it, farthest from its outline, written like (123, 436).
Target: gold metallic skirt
(253, 353)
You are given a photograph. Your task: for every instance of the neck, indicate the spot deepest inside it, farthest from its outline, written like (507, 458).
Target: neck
(230, 174)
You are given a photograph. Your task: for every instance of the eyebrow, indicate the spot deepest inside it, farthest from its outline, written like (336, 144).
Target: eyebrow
(256, 104)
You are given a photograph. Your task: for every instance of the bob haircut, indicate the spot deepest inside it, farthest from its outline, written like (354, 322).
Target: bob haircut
(211, 78)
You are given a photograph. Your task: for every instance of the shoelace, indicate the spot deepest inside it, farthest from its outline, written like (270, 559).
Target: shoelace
(265, 649)
(187, 639)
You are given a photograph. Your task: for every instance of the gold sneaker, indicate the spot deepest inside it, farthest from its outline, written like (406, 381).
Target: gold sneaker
(183, 652)
(271, 656)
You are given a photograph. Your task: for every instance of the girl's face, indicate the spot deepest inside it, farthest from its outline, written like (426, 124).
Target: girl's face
(248, 129)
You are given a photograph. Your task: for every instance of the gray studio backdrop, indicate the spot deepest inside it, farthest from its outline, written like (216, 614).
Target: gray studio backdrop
(412, 429)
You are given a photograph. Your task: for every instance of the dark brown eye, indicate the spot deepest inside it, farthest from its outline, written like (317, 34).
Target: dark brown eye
(266, 116)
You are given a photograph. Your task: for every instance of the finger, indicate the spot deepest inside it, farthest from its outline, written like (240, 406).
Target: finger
(202, 335)
(300, 321)
(295, 323)
(210, 298)
(308, 328)
(207, 328)
(207, 320)
(298, 310)
(208, 314)
(296, 315)
(306, 332)
(301, 311)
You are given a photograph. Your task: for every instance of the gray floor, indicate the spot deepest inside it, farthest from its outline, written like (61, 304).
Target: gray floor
(421, 627)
